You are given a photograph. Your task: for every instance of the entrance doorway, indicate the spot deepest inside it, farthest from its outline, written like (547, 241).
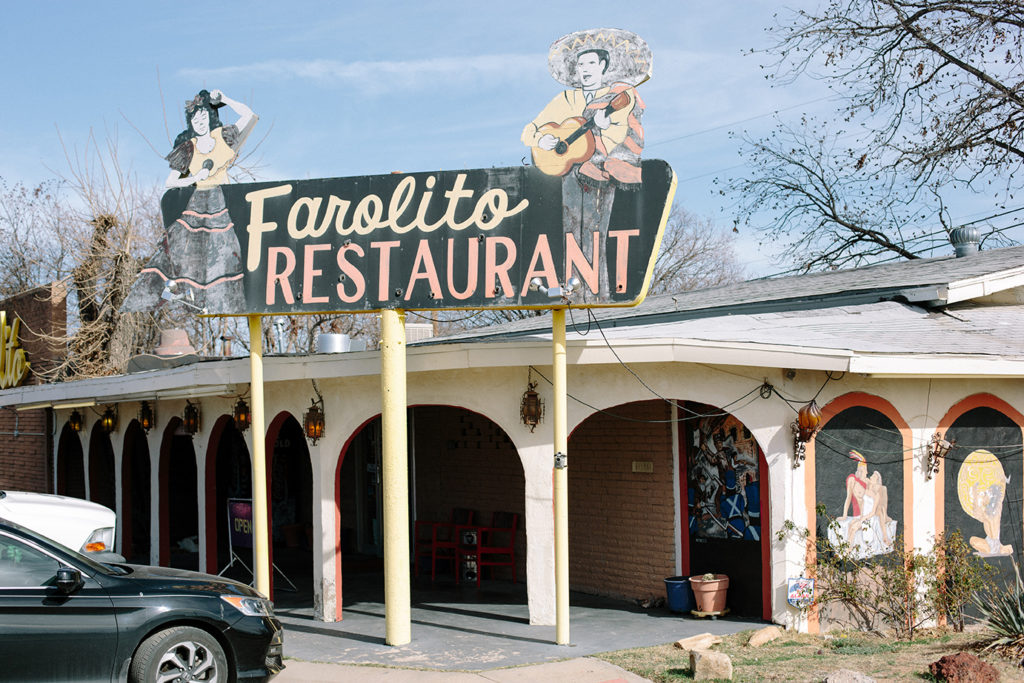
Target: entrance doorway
(725, 478)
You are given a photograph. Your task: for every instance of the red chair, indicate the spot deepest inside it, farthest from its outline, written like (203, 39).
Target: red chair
(495, 545)
(438, 540)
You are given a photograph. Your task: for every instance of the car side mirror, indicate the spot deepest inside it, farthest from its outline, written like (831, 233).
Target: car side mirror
(68, 579)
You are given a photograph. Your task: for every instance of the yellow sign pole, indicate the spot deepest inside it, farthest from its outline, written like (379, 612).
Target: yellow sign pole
(397, 611)
(261, 537)
(561, 478)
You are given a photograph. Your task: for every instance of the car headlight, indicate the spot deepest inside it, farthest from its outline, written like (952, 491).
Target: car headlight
(99, 541)
(250, 607)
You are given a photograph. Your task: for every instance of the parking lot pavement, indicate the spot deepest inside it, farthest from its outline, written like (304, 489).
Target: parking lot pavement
(466, 633)
(578, 670)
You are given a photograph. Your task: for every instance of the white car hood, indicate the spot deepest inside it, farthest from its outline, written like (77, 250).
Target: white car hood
(68, 521)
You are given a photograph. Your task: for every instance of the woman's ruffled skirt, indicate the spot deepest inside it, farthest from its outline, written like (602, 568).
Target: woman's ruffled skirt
(201, 254)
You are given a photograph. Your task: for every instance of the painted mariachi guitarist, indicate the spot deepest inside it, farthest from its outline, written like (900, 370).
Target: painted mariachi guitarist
(591, 136)
(575, 140)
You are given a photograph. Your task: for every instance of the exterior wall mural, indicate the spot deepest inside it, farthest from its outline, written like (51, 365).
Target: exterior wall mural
(983, 489)
(723, 491)
(859, 479)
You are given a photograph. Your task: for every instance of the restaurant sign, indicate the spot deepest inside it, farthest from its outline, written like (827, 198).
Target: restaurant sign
(467, 239)
(13, 363)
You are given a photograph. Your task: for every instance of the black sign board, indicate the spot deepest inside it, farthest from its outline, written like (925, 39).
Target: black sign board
(466, 239)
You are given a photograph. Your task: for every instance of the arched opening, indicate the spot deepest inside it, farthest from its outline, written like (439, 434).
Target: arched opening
(623, 510)
(982, 492)
(228, 478)
(179, 499)
(290, 508)
(101, 468)
(70, 464)
(458, 459)
(724, 495)
(136, 500)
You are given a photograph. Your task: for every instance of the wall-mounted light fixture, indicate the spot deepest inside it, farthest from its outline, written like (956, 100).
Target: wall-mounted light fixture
(313, 422)
(108, 420)
(191, 419)
(531, 407)
(938, 449)
(75, 421)
(146, 416)
(243, 418)
(807, 424)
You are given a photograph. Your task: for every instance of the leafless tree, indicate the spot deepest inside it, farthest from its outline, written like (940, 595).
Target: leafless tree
(35, 250)
(694, 254)
(931, 99)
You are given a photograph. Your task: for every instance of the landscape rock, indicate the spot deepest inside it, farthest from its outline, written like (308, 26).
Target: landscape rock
(848, 676)
(765, 635)
(699, 642)
(707, 665)
(963, 667)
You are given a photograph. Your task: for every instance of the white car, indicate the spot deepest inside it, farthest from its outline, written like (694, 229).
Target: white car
(78, 524)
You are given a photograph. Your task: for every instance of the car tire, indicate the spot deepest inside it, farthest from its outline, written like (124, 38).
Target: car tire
(190, 652)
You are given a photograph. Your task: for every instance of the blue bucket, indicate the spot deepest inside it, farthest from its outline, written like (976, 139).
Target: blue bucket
(679, 593)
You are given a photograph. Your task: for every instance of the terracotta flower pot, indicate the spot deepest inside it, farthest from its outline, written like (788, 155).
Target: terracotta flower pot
(710, 595)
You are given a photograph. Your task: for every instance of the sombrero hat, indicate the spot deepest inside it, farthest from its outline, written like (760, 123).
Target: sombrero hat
(629, 57)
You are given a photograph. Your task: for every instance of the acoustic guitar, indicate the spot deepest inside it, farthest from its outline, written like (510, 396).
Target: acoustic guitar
(575, 140)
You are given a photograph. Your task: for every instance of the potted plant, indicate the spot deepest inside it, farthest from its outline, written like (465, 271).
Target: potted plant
(709, 592)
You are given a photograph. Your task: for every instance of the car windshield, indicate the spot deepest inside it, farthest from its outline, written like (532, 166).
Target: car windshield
(90, 563)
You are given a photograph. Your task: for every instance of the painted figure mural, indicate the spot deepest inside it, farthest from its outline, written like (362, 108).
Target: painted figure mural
(865, 523)
(981, 489)
(859, 460)
(199, 256)
(592, 134)
(722, 469)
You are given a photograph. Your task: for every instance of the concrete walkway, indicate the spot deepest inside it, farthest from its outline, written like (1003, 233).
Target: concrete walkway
(579, 670)
(462, 633)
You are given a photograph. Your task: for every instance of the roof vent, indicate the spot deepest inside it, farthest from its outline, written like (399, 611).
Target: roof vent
(965, 240)
(174, 342)
(333, 343)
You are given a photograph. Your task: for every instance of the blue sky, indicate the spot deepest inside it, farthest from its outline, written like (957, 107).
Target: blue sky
(346, 89)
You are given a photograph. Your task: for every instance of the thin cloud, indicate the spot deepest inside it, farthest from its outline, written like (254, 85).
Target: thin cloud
(381, 75)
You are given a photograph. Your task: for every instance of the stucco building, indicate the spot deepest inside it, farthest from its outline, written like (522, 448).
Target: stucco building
(681, 453)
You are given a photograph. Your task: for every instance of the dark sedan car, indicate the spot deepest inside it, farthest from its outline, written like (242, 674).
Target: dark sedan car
(65, 617)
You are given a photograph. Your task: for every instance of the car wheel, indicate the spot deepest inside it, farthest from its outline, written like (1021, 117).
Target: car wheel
(182, 653)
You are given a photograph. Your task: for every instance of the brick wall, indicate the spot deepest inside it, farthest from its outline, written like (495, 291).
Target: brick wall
(621, 523)
(26, 456)
(465, 460)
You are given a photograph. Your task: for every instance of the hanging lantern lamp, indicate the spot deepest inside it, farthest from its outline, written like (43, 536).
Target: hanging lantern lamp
(109, 420)
(243, 418)
(75, 421)
(313, 421)
(190, 418)
(146, 417)
(531, 407)
(808, 421)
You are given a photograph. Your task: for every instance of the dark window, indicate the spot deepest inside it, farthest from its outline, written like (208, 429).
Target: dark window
(22, 566)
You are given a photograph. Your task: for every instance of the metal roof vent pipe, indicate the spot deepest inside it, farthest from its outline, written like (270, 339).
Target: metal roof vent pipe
(333, 343)
(965, 240)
